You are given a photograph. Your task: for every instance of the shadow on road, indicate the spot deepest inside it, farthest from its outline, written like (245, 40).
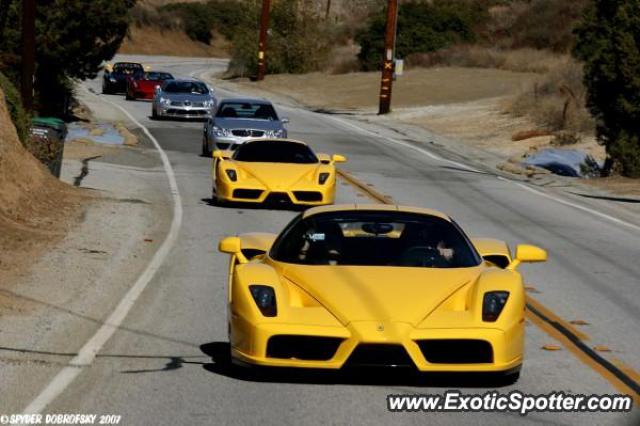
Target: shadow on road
(254, 206)
(221, 365)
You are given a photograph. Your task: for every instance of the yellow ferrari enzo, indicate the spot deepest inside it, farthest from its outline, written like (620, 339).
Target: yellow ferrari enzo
(377, 285)
(278, 170)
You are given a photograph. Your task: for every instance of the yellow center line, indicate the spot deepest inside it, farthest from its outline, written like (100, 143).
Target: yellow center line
(621, 376)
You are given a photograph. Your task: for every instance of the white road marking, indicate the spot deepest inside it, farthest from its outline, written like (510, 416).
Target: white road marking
(436, 157)
(88, 352)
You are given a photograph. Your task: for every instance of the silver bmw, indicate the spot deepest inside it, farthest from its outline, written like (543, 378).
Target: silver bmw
(237, 120)
(183, 99)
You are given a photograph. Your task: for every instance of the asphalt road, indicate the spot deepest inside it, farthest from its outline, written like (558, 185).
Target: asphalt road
(160, 366)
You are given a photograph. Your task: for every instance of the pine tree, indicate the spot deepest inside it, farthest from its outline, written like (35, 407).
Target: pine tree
(608, 42)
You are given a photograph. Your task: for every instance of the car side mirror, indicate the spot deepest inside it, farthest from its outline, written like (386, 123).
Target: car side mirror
(337, 158)
(232, 246)
(218, 154)
(526, 253)
(285, 120)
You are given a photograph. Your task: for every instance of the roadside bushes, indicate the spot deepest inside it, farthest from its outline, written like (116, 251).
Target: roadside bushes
(556, 101)
(199, 20)
(299, 41)
(18, 115)
(607, 42)
(422, 27)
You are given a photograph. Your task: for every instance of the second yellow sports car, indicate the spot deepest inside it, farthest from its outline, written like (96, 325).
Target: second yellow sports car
(278, 170)
(377, 285)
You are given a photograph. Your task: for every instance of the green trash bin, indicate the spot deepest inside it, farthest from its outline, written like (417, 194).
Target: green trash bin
(47, 142)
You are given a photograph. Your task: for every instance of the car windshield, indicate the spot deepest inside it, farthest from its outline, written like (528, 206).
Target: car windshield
(194, 87)
(126, 68)
(275, 152)
(259, 111)
(156, 76)
(375, 238)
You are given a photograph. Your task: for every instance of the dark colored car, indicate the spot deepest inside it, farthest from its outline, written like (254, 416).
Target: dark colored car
(143, 85)
(114, 79)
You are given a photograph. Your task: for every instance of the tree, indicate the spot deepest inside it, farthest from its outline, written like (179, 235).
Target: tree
(73, 38)
(608, 41)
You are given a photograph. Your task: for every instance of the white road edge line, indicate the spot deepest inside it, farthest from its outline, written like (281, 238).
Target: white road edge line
(424, 151)
(88, 352)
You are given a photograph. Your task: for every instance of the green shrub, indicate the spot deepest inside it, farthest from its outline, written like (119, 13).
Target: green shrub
(547, 24)
(607, 42)
(299, 41)
(18, 115)
(195, 19)
(422, 27)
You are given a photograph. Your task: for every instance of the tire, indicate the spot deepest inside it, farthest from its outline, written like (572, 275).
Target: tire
(205, 147)
(154, 114)
(128, 97)
(509, 379)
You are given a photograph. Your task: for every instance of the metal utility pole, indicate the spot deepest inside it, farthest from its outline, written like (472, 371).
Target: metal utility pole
(28, 52)
(262, 44)
(387, 64)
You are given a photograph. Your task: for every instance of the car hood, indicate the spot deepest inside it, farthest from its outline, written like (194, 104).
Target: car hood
(278, 176)
(149, 83)
(248, 123)
(378, 293)
(181, 97)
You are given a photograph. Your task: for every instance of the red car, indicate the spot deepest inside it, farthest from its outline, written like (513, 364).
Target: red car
(143, 85)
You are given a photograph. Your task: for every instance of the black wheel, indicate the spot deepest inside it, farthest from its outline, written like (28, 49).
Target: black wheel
(127, 96)
(154, 114)
(508, 379)
(205, 147)
(105, 90)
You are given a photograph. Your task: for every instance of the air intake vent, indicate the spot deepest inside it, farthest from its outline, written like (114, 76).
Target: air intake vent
(309, 348)
(377, 355)
(456, 351)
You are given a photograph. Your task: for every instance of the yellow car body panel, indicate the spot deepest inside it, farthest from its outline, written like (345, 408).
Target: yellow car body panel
(256, 181)
(380, 305)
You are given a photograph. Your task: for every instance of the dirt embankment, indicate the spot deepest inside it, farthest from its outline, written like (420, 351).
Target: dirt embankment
(35, 208)
(156, 41)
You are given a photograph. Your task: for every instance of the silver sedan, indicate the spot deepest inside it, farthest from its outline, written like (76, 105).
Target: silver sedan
(238, 120)
(183, 99)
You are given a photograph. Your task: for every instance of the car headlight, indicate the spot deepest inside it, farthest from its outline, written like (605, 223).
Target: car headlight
(233, 176)
(208, 103)
(219, 131)
(280, 133)
(265, 298)
(323, 178)
(165, 101)
(113, 80)
(492, 304)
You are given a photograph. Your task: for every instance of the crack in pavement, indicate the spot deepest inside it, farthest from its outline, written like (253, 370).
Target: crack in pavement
(84, 171)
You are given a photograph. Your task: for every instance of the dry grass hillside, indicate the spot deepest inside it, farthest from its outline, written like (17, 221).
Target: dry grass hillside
(35, 207)
(157, 41)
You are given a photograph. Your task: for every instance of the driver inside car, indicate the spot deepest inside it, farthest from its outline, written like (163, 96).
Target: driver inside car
(429, 246)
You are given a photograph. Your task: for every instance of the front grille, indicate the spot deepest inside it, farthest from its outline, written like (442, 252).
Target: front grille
(249, 194)
(186, 112)
(247, 133)
(278, 197)
(456, 351)
(380, 355)
(302, 347)
(308, 195)
(177, 103)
